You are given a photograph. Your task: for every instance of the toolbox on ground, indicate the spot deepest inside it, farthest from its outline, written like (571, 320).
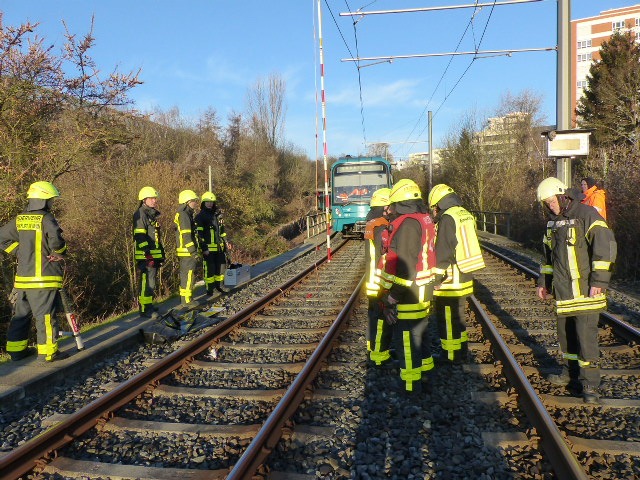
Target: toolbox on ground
(237, 274)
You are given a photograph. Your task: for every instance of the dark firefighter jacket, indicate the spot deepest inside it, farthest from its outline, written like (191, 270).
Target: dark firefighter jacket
(456, 244)
(186, 240)
(580, 250)
(32, 236)
(376, 224)
(210, 227)
(409, 255)
(146, 233)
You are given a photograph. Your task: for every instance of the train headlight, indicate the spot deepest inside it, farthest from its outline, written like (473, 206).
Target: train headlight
(337, 212)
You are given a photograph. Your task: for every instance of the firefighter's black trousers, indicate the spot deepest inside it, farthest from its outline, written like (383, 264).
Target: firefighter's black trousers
(42, 304)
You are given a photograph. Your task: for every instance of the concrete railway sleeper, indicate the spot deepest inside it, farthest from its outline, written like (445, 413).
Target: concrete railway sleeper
(583, 440)
(50, 442)
(211, 418)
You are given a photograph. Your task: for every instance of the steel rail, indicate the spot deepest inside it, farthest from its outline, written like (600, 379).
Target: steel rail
(620, 327)
(267, 438)
(561, 457)
(26, 457)
(564, 462)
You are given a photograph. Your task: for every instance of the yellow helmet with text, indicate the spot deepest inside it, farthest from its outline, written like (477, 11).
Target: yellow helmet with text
(186, 196)
(405, 189)
(147, 192)
(380, 197)
(208, 197)
(549, 187)
(437, 193)
(42, 190)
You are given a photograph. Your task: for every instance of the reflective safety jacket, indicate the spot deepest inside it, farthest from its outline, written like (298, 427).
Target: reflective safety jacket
(595, 197)
(374, 228)
(146, 233)
(210, 228)
(580, 250)
(32, 236)
(186, 240)
(457, 250)
(407, 262)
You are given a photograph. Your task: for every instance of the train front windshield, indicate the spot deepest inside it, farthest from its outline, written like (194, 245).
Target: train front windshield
(356, 183)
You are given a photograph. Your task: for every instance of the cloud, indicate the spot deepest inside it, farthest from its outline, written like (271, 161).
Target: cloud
(220, 70)
(377, 95)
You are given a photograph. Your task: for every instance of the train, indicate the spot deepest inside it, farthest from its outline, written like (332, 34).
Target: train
(353, 181)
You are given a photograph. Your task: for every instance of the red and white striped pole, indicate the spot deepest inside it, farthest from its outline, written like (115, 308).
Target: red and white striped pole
(327, 208)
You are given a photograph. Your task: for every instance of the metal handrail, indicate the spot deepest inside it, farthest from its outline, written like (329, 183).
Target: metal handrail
(316, 224)
(499, 221)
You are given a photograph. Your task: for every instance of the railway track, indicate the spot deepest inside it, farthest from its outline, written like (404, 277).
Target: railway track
(488, 419)
(581, 441)
(222, 372)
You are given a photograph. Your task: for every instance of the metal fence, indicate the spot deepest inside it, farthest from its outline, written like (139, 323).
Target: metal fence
(316, 224)
(498, 223)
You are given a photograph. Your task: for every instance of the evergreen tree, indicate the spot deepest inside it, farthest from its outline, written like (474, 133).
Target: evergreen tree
(611, 101)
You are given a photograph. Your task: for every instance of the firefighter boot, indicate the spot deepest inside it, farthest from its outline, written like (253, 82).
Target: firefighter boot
(560, 379)
(56, 356)
(564, 378)
(27, 352)
(150, 311)
(590, 394)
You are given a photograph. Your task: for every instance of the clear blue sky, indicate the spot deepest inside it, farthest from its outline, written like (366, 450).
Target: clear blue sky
(197, 54)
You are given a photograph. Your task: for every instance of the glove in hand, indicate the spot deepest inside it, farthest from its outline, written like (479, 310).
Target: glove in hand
(391, 314)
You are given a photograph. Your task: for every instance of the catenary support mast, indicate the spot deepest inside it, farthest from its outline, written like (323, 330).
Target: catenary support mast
(563, 96)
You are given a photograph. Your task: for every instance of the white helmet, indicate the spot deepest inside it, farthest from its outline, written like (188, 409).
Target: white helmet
(549, 187)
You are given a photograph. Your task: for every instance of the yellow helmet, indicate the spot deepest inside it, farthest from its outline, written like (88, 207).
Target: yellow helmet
(405, 189)
(186, 196)
(380, 197)
(208, 197)
(549, 187)
(42, 190)
(147, 192)
(437, 193)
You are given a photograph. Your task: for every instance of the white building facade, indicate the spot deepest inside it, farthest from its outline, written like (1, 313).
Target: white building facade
(588, 35)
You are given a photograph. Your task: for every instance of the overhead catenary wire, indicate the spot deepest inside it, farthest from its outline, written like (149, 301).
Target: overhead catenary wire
(486, 25)
(435, 89)
(355, 37)
(357, 63)
(476, 53)
(432, 9)
(391, 58)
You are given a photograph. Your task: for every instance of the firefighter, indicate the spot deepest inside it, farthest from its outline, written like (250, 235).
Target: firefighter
(149, 252)
(580, 250)
(407, 279)
(212, 240)
(35, 238)
(457, 256)
(379, 332)
(186, 242)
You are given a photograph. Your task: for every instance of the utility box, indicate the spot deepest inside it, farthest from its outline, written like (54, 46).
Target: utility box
(237, 274)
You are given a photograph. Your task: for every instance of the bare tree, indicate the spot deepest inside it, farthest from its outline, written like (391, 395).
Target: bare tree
(379, 150)
(87, 87)
(267, 109)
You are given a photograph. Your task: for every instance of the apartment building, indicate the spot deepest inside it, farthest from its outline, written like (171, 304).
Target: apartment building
(588, 34)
